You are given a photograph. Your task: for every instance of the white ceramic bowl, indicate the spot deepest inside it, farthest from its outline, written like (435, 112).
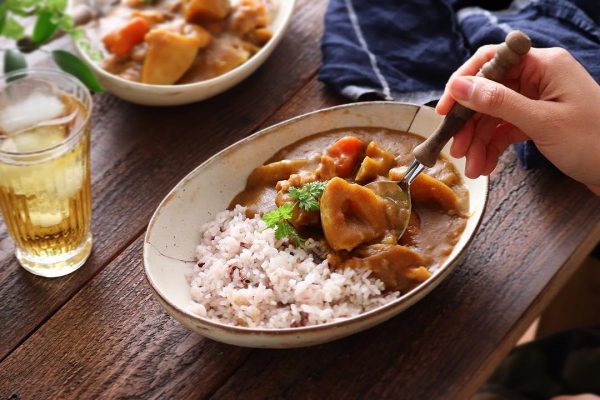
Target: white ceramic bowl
(170, 95)
(173, 232)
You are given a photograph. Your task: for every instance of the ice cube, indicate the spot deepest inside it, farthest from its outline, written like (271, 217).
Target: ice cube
(46, 212)
(40, 138)
(9, 146)
(61, 177)
(37, 107)
(69, 182)
(46, 219)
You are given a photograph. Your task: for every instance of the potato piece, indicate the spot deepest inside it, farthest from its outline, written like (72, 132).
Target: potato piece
(201, 10)
(368, 170)
(352, 215)
(152, 17)
(395, 174)
(260, 36)
(376, 163)
(271, 173)
(399, 267)
(198, 33)
(169, 55)
(428, 190)
(224, 54)
(248, 16)
(444, 171)
(326, 169)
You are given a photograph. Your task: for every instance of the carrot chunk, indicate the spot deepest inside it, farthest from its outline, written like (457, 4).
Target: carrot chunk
(121, 41)
(346, 153)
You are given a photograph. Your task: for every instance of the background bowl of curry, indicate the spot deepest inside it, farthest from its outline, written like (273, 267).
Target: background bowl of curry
(171, 95)
(174, 230)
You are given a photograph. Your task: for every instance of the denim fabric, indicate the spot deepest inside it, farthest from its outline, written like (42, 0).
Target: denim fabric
(406, 50)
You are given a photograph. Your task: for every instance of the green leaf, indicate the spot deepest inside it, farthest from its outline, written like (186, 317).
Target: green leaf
(285, 229)
(286, 211)
(308, 195)
(22, 7)
(44, 28)
(12, 29)
(13, 60)
(57, 5)
(271, 218)
(64, 22)
(16, 9)
(74, 66)
(276, 217)
(2, 19)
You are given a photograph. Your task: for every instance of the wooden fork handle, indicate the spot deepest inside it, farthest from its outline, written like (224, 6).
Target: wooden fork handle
(508, 55)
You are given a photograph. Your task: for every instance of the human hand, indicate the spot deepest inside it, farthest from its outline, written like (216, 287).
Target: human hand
(548, 98)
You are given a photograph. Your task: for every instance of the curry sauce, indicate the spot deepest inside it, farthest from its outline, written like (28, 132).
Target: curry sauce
(353, 222)
(166, 42)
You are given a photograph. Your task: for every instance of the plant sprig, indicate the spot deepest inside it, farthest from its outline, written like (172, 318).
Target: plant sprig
(308, 195)
(51, 17)
(279, 220)
(307, 199)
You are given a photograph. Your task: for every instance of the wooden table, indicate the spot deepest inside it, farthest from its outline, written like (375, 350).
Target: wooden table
(98, 333)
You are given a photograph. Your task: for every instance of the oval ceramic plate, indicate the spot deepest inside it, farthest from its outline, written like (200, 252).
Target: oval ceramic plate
(174, 230)
(169, 95)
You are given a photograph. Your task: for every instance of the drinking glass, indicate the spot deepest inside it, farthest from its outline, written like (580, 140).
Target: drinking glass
(45, 194)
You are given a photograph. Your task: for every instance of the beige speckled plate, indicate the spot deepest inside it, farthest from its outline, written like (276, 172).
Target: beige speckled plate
(173, 232)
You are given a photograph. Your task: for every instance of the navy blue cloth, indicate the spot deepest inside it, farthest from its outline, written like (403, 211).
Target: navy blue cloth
(406, 50)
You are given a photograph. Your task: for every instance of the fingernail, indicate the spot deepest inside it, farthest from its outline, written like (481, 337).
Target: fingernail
(461, 88)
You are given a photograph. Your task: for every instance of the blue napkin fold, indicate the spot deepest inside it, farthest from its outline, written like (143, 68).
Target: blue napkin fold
(406, 50)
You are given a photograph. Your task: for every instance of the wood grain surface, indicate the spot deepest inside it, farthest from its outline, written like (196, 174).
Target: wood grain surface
(119, 343)
(139, 153)
(98, 333)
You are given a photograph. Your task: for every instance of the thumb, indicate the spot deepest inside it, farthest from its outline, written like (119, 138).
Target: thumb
(492, 98)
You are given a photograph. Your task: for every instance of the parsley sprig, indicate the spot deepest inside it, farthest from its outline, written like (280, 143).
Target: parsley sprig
(279, 220)
(308, 196)
(307, 199)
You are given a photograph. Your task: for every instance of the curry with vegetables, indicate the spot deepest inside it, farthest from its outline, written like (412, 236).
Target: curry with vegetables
(314, 188)
(165, 42)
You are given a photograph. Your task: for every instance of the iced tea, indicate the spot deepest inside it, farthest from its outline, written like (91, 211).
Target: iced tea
(45, 194)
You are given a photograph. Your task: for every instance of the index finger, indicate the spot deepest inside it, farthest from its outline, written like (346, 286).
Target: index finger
(469, 68)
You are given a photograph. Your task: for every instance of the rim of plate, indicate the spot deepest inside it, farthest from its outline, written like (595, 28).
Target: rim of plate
(410, 297)
(277, 36)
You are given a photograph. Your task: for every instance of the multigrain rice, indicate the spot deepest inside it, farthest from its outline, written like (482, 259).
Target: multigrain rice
(245, 277)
